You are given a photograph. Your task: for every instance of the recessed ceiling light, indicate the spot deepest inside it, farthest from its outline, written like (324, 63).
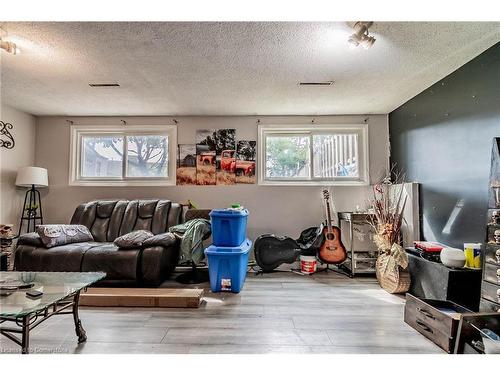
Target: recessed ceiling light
(361, 35)
(104, 84)
(323, 83)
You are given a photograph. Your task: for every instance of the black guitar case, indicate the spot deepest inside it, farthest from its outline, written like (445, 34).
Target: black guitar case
(272, 251)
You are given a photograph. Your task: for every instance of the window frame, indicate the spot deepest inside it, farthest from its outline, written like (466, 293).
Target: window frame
(78, 132)
(264, 131)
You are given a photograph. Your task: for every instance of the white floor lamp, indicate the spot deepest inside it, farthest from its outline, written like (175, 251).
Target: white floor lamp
(32, 177)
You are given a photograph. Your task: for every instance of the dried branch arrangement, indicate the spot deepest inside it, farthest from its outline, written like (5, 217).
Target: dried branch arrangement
(388, 203)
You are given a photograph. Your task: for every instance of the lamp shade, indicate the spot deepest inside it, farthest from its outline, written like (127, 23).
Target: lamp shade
(28, 176)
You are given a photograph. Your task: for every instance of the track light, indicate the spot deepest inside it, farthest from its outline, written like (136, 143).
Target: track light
(361, 35)
(9, 47)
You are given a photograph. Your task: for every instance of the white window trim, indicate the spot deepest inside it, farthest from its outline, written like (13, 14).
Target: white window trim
(363, 151)
(79, 131)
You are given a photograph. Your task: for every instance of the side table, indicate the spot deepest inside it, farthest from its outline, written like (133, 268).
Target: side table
(7, 253)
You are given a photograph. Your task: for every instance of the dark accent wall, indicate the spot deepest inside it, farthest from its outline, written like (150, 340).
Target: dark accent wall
(442, 138)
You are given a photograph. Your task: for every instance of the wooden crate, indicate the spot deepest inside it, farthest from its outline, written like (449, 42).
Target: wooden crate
(141, 297)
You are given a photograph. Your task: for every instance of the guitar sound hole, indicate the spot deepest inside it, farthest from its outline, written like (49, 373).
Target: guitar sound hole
(330, 236)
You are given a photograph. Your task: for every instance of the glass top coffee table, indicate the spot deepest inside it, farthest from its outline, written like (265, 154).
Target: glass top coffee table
(19, 314)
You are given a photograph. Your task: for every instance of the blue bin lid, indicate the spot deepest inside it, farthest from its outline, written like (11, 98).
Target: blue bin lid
(222, 250)
(226, 212)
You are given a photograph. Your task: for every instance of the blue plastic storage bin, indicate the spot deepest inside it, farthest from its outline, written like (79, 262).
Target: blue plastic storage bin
(227, 266)
(229, 227)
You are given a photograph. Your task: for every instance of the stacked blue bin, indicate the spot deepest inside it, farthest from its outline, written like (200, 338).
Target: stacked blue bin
(228, 255)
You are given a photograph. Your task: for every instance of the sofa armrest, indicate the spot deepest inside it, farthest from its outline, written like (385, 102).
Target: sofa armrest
(157, 264)
(30, 239)
(162, 239)
(197, 213)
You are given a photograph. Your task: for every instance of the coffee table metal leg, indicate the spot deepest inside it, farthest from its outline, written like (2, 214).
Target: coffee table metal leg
(25, 338)
(80, 332)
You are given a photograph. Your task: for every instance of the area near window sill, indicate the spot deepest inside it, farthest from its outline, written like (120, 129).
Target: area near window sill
(122, 183)
(313, 183)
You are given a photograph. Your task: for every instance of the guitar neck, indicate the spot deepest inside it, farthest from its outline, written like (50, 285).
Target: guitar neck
(328, 216)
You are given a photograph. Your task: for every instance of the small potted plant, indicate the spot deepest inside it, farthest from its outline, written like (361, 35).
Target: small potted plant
(388, 203)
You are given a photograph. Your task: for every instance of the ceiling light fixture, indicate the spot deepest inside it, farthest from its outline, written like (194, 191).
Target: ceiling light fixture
(361, 35)
(9, 47)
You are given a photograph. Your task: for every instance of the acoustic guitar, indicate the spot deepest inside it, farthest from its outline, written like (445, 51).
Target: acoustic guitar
(332, 251)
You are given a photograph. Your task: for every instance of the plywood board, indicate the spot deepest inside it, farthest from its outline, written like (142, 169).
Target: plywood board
(141, 297)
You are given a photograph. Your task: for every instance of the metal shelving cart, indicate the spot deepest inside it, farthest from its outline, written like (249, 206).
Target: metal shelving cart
(359, 261)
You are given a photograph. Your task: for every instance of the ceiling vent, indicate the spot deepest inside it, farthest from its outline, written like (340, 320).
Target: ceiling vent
(104, 84)
(324, 83)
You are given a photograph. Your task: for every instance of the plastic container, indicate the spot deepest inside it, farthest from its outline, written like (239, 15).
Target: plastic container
(229, 226)
(472, 252)
(308, 264)
(227, 266)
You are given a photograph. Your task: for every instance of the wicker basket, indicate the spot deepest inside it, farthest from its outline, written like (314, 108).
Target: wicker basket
(390, 276)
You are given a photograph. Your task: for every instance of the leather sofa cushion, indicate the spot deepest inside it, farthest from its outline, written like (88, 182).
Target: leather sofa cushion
(109, 219)
(62, 234)
(107, 257)
(103, 218)
(133, 239)
(66, 258)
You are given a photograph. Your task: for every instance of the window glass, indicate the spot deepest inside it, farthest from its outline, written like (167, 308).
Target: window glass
(335, 155)
(287, 157)
(102, 156)
(147, 156)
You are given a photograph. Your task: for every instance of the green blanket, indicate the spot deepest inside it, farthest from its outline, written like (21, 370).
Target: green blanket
(192, 233)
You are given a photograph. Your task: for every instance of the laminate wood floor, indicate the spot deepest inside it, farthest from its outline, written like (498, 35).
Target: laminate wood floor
(275, 313)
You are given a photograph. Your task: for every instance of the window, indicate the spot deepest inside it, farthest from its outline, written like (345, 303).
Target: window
(122, 155)
(313, 155)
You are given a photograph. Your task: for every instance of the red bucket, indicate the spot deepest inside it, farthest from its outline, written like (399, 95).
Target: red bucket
(308, 264)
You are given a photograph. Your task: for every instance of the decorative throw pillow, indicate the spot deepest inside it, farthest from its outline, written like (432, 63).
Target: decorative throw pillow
(63, 234)
(133, 239)
(162, 239)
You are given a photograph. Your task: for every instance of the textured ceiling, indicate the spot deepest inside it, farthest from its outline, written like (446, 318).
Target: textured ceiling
(229, 68)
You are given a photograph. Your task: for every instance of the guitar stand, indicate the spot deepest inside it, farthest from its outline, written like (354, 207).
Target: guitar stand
(338, 270)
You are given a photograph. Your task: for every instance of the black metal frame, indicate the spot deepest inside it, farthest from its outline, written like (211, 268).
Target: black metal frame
(29, 322)
(194, 276)
(33, 195)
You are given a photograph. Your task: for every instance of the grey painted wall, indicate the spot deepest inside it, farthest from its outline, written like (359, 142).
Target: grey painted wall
(282, 210)
(442, 138)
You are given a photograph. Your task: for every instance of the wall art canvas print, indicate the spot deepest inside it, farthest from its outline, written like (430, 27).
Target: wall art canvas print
(245, 162)
(225, 150)
(205, 157)
(186, 164)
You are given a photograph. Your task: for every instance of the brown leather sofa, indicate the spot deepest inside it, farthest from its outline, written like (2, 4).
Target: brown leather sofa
(108, 220)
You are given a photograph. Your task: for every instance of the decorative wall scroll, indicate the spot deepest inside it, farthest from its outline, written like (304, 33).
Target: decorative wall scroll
(6, 138)
(216, 159)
